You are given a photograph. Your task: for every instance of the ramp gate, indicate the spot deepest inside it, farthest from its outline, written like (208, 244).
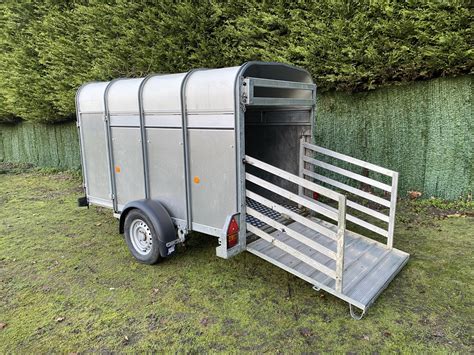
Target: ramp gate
(312, 241)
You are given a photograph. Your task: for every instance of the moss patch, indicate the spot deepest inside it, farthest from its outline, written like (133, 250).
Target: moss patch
(69, 284)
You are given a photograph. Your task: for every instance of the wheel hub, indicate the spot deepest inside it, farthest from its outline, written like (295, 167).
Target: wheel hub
(140, 236)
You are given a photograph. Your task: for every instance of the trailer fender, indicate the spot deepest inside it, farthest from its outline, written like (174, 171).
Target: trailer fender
(160, 219)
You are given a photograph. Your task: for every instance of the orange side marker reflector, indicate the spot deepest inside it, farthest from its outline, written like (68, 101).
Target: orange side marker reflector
(197, 180)
(117, 169)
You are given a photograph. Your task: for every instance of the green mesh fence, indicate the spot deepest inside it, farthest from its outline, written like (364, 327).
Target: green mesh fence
(424, 130)
(55, 145)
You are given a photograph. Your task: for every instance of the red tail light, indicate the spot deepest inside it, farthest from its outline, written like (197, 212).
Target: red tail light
(315, 195)
(232, 233)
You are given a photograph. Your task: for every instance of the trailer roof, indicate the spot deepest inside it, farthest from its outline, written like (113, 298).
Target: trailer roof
(202, 91)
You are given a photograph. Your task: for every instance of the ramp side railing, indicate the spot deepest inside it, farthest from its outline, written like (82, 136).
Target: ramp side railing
(319, 167)
(337, 215)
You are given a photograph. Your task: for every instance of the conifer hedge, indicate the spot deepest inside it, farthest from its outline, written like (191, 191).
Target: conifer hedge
(49, 48)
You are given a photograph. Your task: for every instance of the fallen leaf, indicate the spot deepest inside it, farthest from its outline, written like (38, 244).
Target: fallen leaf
(366, 337)
(455, 215)
(424, 321)
(98, 224)
(414, 194)
(305, 332)
(59, 319)
(386, 334)
(3, 326)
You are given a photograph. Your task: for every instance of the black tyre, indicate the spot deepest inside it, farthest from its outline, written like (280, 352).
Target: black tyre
(141, 237)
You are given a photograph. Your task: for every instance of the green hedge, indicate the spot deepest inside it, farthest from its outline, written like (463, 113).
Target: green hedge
(49, 48)
(424, 130)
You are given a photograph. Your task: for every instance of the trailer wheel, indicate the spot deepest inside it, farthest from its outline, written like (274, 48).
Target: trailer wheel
(141, 237)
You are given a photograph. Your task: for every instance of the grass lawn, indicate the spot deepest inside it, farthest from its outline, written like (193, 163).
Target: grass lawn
(69, 284)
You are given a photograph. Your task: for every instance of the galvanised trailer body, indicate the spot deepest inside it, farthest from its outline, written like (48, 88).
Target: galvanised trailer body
(229, 152)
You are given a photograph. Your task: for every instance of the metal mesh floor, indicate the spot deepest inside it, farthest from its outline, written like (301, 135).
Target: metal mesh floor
(266, 211)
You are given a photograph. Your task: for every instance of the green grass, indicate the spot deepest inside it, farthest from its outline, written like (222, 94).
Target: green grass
(69, 284)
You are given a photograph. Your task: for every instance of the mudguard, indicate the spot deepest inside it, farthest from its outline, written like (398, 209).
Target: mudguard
(161, 220)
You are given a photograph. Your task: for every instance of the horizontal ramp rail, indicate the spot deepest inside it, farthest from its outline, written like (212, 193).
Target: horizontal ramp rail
(319, 168)
(338, 215)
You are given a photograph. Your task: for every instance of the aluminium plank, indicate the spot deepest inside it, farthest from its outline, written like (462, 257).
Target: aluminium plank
(357, 272)
(350, 174)
(371, 285)
(293, 178)
(319, 208)
(302, 238)
(357, 250)
(345, 187)
(293, 215)
(349, 159)
(305, 277)
(292, 251)
(369, 265)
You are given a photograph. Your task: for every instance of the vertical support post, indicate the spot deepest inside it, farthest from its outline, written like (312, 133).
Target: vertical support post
(239, 113)
(110, 155)
(393, 208)
(313, 116)
(301, 166)
(143, 136)
(341, 231)
(81, 139)
(184, 129)
(81, 152)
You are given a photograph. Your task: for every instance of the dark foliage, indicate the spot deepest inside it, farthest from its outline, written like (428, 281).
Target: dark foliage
(49, 48)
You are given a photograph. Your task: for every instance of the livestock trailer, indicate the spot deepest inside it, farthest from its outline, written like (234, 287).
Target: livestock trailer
(229, 152)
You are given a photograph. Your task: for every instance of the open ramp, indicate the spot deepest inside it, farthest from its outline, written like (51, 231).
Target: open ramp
(369, 265)
(324, 253)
